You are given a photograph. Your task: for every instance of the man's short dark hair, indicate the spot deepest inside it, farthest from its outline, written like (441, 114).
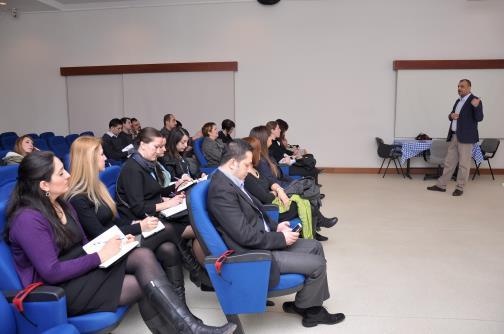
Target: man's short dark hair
(466, 80)
(235, 149)
(114, 122)
(228, 124)
(133, 119)
(167, 118)
(124, 120)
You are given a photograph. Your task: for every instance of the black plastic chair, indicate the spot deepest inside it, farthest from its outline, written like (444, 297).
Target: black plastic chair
(488, 148)
(391, 152)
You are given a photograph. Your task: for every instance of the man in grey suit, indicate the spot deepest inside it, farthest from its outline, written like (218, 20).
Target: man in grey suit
(244, 225)
(462, 135)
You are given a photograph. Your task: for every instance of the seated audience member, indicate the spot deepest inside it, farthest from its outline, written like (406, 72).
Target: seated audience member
(22, 147)
(227, 128)
(270, 170)
(212, 147)
(244, 225)
(135, 127)
(298, 164)
(46, 241)
(293, 149)
(112, 147)
(125, 137)
(272, 193)
(144, 189)
(97, 211)
(169, 123)
(174, 159)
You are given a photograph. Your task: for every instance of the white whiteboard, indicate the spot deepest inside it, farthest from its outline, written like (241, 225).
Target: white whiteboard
(426, 97)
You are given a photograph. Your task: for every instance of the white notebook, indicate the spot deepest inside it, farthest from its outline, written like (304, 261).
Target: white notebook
(173, 210)
(160, 226)
(97, 244)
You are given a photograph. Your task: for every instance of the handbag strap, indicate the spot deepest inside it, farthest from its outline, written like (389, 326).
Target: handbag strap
(21, 296)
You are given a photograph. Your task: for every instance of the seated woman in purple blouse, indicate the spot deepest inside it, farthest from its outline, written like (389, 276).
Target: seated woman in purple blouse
(46, 241)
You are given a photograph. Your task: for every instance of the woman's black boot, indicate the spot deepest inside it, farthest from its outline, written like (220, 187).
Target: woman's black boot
(161, 295)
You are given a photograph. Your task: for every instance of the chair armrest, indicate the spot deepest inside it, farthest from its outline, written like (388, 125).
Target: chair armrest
(44, 306)
(243, 277)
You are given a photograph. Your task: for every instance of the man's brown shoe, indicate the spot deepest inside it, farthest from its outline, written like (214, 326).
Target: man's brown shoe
(436, 188)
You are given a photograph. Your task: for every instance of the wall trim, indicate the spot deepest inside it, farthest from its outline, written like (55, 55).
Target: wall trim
(448, 64)
(150, 68)
(358, 170)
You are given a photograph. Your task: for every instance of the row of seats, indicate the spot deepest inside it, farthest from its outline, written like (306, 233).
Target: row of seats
(42, 141)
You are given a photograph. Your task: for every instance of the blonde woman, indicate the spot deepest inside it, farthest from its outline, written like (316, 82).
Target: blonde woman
(97, 210)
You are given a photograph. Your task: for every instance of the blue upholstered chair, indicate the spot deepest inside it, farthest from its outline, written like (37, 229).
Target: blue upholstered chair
(201, 157)
(242, 286)
(8, 174)
(46, 135)
(53, 297)
(109, 177)
(41, 144)
(8, 141)
(87, 133)
(59, 146)
(70, 138)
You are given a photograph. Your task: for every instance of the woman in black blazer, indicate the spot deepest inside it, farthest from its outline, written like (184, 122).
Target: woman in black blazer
(144, 188)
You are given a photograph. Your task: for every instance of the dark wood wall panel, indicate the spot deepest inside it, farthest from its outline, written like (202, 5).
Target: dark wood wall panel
(150, 68)
(448, 64)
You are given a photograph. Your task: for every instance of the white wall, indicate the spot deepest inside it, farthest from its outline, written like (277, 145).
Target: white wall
(324, 66)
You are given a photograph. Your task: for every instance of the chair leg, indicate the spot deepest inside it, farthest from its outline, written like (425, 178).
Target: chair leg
(397, 169)
(235, 319)
(476, 171)
(382, 165)
(387, 168)
(491, 171)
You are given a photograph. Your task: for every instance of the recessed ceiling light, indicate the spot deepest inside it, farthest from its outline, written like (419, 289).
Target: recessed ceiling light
(3, 3)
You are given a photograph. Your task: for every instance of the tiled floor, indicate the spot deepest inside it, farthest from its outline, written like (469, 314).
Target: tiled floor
(401, 260)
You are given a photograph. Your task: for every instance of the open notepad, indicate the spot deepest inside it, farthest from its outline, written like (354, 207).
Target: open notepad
(188, 184)
(160, 226)
(173, 210)
(97, 243)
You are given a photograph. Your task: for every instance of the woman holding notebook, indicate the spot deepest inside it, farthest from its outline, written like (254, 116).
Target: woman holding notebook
(46, 240)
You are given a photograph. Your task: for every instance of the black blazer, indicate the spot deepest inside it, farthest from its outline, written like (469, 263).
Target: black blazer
(467, 124)
(112, 148)
(238, 219)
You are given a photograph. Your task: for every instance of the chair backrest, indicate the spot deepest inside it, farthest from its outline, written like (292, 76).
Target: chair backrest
(59, 146)
(490, 146)
(46, 135)
(109, 177)
(41, 144)
(33, 135)
(8, 174)
(9, 279)
(70, 138)
(199, 153)
(8, 142)
(87, 133)
(9, 133)
(3, 153)
(8, 320)
(384, 150)
(6, 191)
(438, 151)
(206, 233)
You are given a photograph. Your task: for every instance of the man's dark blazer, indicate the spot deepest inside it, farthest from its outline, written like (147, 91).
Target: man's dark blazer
(467, 123)
(239, 220)
(112, 149)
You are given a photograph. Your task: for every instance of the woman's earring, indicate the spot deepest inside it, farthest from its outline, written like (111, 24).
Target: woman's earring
(47, 194)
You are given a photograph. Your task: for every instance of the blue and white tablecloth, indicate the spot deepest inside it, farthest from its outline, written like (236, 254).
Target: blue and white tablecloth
(412, 148)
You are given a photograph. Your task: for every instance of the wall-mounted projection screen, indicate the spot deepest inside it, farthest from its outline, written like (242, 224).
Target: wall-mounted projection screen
(426, 97)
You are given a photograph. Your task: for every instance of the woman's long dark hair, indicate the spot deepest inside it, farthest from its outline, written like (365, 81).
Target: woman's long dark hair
(175, 136)
(262, 133)
(36, 167)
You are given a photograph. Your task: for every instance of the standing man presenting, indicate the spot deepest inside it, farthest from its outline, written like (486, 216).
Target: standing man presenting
(462, 135)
